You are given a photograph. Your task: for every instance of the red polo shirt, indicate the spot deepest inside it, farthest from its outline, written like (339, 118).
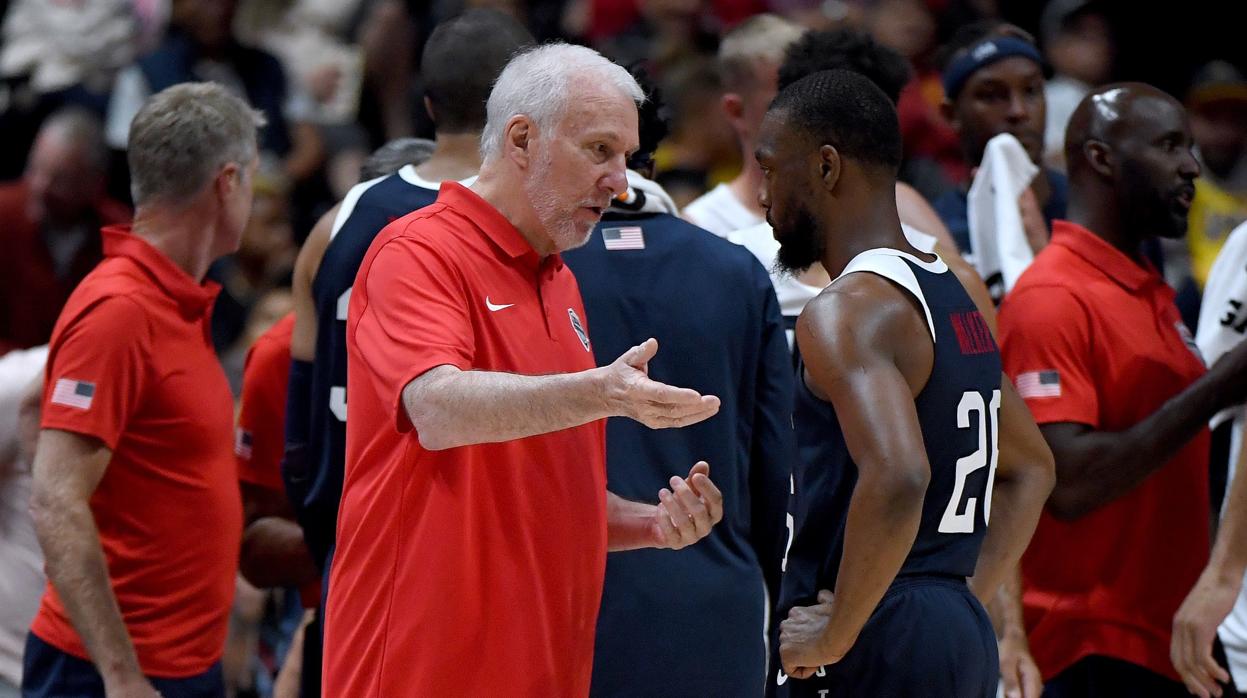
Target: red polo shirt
(131, 364)
(260, 438)
(474, 570)
(1090, 336)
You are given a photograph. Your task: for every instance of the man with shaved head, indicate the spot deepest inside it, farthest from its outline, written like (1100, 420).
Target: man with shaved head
(1094, 343)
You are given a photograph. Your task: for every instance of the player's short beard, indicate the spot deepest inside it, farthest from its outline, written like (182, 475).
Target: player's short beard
(801, 243)
(553, 213)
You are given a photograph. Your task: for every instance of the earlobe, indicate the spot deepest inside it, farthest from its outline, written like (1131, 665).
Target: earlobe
(518, 137)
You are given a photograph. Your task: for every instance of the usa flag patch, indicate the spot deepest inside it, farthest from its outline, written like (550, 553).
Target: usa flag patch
(630, 238)
(73, 393)
(1035, 384)
(242, 443)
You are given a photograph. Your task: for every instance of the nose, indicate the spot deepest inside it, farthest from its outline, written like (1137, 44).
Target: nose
(616, 179)
(1189, 167)
(1017, 106)
(764, 198)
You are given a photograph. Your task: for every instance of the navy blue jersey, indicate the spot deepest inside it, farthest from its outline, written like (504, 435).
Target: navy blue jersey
(691, 622)
(367, 208)
(957, 410)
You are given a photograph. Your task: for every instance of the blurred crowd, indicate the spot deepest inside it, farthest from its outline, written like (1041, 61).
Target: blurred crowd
(339, 82)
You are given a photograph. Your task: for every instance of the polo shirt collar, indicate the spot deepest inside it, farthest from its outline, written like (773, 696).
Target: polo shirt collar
(1108, 259)
(193, 299)
(495, 226)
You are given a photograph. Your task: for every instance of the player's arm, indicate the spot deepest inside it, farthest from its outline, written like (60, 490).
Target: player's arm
(1095, 467)
(303, 339)
(853, 340)
(684, 514)
(1213, 596)
(68, 467)
(450, 407)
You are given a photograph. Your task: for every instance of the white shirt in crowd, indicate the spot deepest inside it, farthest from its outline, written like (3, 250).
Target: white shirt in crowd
(720, 212)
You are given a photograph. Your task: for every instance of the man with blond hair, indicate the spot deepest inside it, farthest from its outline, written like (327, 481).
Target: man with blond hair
(135, 493)
(475, 521)
(748, 62)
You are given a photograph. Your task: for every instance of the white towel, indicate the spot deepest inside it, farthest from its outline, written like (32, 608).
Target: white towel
(997, 238)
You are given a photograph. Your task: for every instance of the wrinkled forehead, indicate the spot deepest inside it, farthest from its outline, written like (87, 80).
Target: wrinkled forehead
(591, 101)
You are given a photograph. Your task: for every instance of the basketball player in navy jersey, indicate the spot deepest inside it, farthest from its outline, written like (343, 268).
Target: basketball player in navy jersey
(907, 431)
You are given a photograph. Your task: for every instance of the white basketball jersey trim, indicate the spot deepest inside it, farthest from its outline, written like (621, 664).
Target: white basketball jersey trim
(889, 264)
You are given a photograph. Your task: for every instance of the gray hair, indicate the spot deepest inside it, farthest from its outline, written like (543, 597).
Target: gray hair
(84, 130)
(183, 135)
(394, 155)
(760, 39)
(535, 83)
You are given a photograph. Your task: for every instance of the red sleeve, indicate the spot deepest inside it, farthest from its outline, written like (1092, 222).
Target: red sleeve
(1046, 331)
(259, 438)
(416, 318)
(97, 370)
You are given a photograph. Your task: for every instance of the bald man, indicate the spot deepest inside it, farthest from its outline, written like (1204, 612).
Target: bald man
(1094, 343)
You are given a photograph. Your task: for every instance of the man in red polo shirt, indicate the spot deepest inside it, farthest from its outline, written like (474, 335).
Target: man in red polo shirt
(475, 520)
(1093, 341)
(135, 495)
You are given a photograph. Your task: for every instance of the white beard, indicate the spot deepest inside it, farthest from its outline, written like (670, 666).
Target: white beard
(563, 230)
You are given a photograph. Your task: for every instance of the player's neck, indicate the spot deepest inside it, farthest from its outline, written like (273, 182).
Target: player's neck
(747, 184)
(457, 156)
(1103, 222)
(874, 225)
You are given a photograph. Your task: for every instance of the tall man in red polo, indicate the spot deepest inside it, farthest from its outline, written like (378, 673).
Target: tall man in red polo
(475, 520)
(1094, 343)
(135, 495)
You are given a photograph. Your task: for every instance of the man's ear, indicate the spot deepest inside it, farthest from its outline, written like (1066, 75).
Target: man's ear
(733, 105)
(516, 137)
(1099, 156)
(228, 180)
(829, 166)
(428, 109)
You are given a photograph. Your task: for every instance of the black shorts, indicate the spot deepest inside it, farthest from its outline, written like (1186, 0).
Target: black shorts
(929, 638)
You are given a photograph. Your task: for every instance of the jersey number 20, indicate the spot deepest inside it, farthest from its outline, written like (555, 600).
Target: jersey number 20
(959, 518)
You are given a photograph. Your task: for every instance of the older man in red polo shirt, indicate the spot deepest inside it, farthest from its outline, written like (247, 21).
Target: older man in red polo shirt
(1094, 343)
(475, 519)
(135, 495)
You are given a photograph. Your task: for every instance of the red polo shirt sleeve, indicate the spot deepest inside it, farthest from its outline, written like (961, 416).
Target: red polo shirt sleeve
(97, 370)
(1045, 328)
(259, 440)
(416, 318)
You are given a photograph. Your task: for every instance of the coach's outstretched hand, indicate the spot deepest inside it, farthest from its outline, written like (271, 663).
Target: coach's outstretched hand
(686, 512)
(630, 392)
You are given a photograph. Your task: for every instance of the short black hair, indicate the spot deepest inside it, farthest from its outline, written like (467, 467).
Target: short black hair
(846, 110)
(461, 61)
(846, 49)
(653, 118)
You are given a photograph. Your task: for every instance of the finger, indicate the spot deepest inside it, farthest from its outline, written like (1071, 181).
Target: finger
(1031, 679)
(670, 536)
(803, 672)
(701, 467)
(710, 494)
(826, 596)
(679, 517)
(696, 508)
(664, 422)
(639, 356)
(662, 397)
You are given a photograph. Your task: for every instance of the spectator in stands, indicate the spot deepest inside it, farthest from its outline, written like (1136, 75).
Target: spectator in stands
(49, 226)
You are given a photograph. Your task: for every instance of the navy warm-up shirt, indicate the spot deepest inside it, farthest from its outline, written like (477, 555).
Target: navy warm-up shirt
(690, 622)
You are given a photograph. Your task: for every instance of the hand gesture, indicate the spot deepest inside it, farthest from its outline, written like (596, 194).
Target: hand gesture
(686, 512)
(802, 638)
(631, 393)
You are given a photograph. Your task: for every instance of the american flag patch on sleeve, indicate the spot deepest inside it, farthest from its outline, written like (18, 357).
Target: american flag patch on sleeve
(72, 393)
(242, 443)
(1034, 384)
(631, 238)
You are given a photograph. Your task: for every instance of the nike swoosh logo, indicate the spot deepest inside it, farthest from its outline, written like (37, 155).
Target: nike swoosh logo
(495, 307)
(781, 678)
